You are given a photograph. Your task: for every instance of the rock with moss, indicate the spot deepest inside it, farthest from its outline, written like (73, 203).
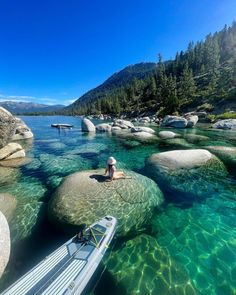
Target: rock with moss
(5, 243)
(7, 127)
(193, 172)
(86, 196)
(195, 138)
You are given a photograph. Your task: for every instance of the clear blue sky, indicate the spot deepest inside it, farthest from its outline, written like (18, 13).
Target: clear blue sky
(54, 51)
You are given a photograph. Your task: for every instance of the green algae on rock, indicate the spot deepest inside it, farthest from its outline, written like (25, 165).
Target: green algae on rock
(86, 196)
(188, 171)
(145, 267)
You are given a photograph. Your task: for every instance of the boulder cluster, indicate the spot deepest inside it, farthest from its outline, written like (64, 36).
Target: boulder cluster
(11, 129)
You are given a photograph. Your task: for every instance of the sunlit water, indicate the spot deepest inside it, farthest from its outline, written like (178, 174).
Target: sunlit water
(189, 247)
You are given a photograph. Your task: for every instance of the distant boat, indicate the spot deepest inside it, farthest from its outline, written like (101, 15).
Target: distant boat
(62, 125)
(68, 269)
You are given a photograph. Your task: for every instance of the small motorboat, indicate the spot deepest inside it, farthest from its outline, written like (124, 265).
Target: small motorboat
(68, 269)
(62, 125)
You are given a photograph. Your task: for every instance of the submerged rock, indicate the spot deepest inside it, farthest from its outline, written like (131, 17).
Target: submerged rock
(87, 125)
(8, 175)
(195, 138)
(103, 127)
(7, 127)
(167, 134)
(7, 205)
(143, 266)
(142, 129)
(86, 196)
(5, 243)
(225, 124)
(188, 171)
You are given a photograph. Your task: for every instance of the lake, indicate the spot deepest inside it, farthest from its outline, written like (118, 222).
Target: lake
(189, 245)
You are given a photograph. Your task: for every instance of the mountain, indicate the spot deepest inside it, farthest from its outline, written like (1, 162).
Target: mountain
(201, 77)
(116, 81)
(18, 108)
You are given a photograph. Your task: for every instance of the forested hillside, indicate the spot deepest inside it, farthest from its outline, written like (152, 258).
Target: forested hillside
(204, 74)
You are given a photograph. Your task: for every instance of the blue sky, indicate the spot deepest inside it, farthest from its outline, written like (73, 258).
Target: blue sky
(53, 51)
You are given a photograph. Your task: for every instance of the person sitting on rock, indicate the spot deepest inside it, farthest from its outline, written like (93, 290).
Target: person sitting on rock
(111, 169)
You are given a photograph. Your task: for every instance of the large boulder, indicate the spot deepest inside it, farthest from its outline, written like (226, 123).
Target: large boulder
(194, 172)
(5, 243)
(7, 205)
(142, 129)
(123, 124)
(7, 126)
(174, 121)
(11, 151)
(103, 127)
(167, 134)
(22, 130)
(192, 121)
(86, 196)
(225, 124)
(225, 153)
(87, 125)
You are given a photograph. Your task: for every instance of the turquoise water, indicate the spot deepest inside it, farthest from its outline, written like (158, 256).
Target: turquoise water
(188, 247)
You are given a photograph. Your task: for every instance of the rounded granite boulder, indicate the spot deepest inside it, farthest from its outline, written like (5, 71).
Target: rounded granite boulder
(7, 205)
(189, 171)
(87, 125)
(5, 243)
(86, 196)
(7, 127)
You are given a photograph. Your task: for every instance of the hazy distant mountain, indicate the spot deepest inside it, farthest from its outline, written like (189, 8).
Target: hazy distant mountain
(28, 107)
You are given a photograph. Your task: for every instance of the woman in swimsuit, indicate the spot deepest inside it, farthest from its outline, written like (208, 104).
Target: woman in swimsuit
(111, 169)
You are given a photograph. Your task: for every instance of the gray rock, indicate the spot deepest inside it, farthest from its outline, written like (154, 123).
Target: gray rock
(103, 127)
(189, 171)
(86, 196)
(7, 205)
(12, 151)
(22, 131)
(141, 128)
(7, 127)
(195, 138)
(192, 121)
(123, 124)
(225, 124)
(174, 121)
(115, 128)
(5, 243)
(167, 134)
(87, 126)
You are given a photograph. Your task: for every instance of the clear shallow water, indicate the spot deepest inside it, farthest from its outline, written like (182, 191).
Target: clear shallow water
(189, 247)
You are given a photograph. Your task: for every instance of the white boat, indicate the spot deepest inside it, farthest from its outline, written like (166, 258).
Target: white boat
(68, 269)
